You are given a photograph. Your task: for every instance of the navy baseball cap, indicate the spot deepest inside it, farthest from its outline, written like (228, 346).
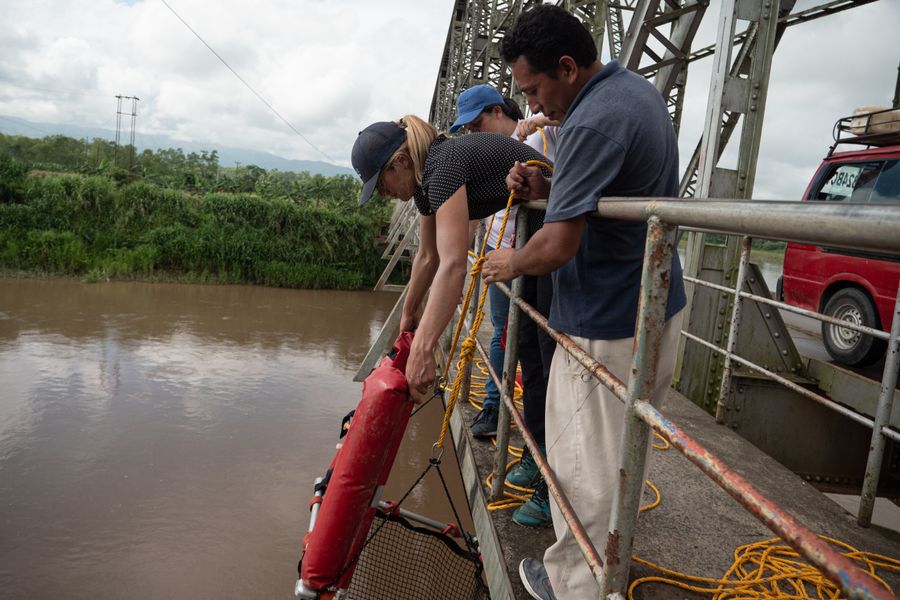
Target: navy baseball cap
(373, 147)
(472, 102)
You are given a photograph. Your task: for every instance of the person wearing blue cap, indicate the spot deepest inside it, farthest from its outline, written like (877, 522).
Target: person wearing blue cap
(479, 105)
(451, 181)
(482, 109)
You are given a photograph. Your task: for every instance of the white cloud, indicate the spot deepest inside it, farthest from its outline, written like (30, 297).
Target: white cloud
(821, 71)
(331, 68)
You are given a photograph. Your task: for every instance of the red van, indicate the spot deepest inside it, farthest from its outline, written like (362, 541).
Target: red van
(858, 287)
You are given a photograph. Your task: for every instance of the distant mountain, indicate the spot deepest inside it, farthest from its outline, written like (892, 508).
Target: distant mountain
(227, 156)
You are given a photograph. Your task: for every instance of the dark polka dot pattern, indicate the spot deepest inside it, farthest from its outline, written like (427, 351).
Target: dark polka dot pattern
(480, 161)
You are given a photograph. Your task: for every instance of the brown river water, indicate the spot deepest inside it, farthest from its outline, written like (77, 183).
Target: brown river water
(160, 440)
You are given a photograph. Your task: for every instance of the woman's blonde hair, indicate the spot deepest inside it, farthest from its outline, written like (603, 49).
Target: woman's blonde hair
(419, 135)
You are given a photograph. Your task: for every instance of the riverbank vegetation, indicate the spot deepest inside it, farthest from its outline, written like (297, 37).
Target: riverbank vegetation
(772, 249)
(180, 217)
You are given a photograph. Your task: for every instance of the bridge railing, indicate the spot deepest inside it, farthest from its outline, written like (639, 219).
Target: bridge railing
(861, 227)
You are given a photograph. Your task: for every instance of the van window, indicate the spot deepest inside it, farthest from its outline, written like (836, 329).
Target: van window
(851, 182)
(887, 188)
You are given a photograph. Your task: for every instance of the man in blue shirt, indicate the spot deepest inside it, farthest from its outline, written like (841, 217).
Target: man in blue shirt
(616, 139)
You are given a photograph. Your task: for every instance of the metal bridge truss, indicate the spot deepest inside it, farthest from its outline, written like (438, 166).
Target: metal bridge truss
(737, 96)
(654, 38)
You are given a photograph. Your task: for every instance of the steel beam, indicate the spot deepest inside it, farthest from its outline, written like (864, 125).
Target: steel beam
(737, 87)
(882, 418)
(803, 16)
(594, 15)
(651, 321)
(663, 33)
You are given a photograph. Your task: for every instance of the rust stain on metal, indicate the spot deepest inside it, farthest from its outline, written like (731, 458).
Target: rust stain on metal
(601, 373)
(612, 548)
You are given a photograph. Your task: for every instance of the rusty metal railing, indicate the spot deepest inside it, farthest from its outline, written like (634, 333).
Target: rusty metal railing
(872, 228)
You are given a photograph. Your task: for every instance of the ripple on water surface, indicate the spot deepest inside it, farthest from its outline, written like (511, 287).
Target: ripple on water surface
(158, 441)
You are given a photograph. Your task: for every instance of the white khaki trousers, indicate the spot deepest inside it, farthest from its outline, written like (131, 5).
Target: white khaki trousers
(584, 423)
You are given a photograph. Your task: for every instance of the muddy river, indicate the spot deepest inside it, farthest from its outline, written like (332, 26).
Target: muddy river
(160, 440)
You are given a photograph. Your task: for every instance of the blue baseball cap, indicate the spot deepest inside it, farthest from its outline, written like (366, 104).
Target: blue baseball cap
(374, 146)
(472, 102)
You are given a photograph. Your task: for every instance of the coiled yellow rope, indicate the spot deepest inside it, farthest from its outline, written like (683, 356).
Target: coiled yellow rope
(769, 570)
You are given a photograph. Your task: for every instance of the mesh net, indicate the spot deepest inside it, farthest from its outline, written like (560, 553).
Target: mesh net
(409, 562)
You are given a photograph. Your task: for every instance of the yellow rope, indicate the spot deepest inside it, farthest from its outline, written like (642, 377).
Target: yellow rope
(467, 348)
(543, 139)
(515, 500)
(477, 392)
(769, 570)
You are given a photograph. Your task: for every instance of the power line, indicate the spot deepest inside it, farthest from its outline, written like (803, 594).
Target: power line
(249, 87)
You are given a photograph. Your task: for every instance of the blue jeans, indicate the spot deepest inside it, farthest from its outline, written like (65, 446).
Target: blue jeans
(499, 312)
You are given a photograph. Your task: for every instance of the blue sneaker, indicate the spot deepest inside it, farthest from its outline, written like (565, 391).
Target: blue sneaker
(535, 579)
(535, 512)
(485, 423)
(525, 473)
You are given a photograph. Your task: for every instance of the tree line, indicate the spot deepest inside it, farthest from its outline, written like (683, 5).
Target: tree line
(67, 208)
(173, 168)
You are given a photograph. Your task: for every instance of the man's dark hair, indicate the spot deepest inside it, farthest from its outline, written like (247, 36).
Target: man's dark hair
(546, 33)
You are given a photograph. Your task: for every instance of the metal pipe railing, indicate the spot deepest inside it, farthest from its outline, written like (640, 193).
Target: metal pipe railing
(882, 416)
(746, 243)
(883, 409)
(867, 227)
(791, 308)
(588, 551)
(510, 361)
(651, 322)
(873, 228)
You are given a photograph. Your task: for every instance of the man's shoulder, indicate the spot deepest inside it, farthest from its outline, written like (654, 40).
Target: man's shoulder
(616, 107)
(622, 88)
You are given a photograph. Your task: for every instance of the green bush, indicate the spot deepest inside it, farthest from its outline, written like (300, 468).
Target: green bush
(93, 228)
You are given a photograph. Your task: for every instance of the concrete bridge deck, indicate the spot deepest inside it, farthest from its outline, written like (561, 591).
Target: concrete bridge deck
(694, 530)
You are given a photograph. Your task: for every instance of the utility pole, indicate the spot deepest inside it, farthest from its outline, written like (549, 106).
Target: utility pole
(133, 114)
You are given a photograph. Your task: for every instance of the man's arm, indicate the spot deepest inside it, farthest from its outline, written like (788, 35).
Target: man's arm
(552, 246)
(425, 265)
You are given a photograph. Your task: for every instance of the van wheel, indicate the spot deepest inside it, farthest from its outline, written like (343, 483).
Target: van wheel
(779, 289)
(848, 346)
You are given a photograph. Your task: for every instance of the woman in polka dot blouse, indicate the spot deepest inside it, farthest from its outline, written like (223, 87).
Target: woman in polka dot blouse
(452, 181)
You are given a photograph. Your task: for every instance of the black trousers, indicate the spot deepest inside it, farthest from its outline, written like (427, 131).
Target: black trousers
(535, 353)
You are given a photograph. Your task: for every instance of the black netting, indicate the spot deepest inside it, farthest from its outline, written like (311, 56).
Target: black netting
(412, 563)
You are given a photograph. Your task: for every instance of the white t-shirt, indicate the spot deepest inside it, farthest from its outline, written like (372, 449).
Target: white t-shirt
(536, 141)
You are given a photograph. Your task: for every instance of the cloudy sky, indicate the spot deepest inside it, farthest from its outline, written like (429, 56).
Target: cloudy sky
(331, 67)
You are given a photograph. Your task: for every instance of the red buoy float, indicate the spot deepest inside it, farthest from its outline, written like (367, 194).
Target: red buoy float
(344, 503)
